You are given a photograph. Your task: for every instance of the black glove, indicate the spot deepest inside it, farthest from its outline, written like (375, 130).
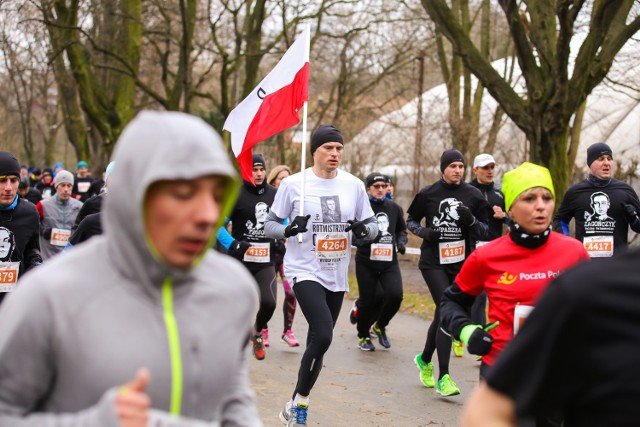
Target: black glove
(298, 225)
(402, 249)
(280, 247)
(631, 212)
(46, 233)
(358, 228)
(429, 234)
(477, 338)
(466, 216)
(238, 248)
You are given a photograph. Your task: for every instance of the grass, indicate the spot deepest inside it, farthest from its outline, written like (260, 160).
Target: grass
(412, 303)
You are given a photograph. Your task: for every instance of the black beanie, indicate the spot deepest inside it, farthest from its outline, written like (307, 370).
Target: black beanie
(324, 134)
(374, 177)
(8, 164)
(449, 156)
(596, 150)
(258, 160)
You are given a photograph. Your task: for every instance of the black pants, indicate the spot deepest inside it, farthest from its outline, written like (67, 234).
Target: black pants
(369, 279)
(321, 308)
(266, 278)
(437, 281)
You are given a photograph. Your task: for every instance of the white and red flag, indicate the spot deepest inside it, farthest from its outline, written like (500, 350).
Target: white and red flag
(272, 106)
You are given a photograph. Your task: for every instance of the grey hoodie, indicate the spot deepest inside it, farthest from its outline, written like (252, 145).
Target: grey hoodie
(86, 321)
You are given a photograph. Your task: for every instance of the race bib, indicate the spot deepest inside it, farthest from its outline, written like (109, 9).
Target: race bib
(59, 236)
(451, 252)
(9, 276)
(165, 419)
(599, 246)
(520, 314)
(381, 252)
(83, 187)
(258, 252)
(332, 246)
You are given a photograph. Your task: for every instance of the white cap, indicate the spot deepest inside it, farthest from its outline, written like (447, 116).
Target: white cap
(483, 160)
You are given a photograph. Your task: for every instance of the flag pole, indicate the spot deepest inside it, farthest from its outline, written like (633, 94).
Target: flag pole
(303, 158)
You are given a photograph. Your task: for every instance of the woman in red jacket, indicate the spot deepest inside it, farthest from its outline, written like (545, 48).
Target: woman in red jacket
(513, 269)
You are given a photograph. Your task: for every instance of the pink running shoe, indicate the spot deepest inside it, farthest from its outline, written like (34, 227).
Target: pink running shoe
(265, 337)
(289, 339)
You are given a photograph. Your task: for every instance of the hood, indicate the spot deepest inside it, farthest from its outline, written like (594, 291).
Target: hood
(158, 146)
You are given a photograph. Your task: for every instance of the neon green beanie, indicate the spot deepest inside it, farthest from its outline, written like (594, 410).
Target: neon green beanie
(522, 178)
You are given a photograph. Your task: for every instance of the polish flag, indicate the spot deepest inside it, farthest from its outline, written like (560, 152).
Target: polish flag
(272, 106)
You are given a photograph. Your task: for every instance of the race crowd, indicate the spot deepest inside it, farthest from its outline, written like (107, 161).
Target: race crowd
(177, 255)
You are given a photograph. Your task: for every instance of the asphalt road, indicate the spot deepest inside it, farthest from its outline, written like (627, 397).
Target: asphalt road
(358, 388)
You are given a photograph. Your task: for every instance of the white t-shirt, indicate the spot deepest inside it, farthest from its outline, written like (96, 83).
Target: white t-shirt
(325, 251)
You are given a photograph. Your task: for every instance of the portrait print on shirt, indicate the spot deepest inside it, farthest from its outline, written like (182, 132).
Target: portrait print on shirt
(600, 205)
(447, 213)
(330, 206)
(7, 244)
(261, 213)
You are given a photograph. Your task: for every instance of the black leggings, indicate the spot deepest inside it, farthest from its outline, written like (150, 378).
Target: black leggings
(266, 278)
(321, 308)
(391, 282)
(437, 281)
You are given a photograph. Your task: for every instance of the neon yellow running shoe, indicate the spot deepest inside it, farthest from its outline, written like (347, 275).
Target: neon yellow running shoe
(458, 348)
(446, 386)
(426, 371)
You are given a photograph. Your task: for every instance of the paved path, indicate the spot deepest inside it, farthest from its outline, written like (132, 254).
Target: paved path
(358, 388)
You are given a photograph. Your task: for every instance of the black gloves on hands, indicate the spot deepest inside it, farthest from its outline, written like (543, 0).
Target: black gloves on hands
(238, 248)
(358, 228)
(480, 342)
(46, 233)
(298, 225)
(466, 216)
(630, 212)
(402, 249)
(430, 235)
(279, 247)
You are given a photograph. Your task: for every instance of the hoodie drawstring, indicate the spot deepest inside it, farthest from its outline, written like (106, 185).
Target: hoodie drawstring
(174, 346)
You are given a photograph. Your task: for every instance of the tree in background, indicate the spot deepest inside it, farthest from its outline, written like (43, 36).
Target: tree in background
(556, 86)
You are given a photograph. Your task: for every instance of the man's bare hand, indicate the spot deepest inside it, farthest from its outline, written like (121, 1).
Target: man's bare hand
(132, 403)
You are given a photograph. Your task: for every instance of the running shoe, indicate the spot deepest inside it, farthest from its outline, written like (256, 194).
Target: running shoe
(289, 339)
(458, 348)
(265, 337)
(353, 314)
(426, 371)
(294, 415)
(446, 386)
(382, 335)
(258, 347)
(365, 344)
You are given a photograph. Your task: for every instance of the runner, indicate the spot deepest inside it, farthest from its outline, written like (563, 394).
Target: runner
(276, 176)
(318, 263)
(484, 166)
(248, 243)
(455, 215)
(57, 216)
(28, 193)
(377, 265)
(577, 353)
(147, 300)
(603, 207)
(19, 227)
(513, 269)
(82, 185)
(46, 186)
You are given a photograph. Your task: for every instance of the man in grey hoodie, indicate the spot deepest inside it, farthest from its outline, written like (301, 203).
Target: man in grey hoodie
(125, 329)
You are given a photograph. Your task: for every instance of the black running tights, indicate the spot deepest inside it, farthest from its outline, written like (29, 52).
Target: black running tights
(321, 308)
(437, 281)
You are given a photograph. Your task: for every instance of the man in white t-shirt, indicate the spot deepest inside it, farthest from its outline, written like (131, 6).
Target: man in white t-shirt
(335, 204)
